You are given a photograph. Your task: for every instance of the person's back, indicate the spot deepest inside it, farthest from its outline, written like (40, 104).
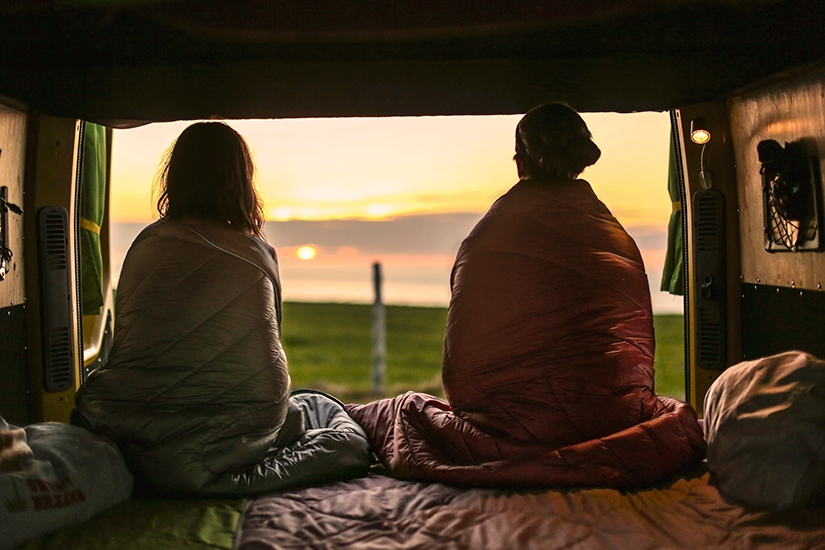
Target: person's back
(197, 381)
(549, 338)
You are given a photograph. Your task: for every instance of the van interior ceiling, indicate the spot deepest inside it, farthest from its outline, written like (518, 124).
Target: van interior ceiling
(116, 63)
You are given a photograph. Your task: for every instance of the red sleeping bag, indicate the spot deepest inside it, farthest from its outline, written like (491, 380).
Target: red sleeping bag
(548, 359)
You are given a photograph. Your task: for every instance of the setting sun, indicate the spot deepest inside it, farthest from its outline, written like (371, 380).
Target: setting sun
(306, 252)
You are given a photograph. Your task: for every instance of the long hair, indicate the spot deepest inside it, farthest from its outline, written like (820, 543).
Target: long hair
(552, 141)
(208, 174)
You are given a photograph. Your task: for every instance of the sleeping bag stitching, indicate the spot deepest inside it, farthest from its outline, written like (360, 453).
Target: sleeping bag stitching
(274, 283)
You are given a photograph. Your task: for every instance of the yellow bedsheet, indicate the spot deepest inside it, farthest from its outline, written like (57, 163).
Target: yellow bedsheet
(152, 525)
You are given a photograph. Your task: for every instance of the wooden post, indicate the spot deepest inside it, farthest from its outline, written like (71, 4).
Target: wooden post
(379, 332)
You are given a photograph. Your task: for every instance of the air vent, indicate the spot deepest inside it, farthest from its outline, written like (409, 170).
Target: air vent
(56, 299)
(55, 239)
(710, 279)
(710, 344)
(60, 373)
(709, 214)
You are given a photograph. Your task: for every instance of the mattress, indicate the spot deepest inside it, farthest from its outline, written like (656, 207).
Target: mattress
(383, 513)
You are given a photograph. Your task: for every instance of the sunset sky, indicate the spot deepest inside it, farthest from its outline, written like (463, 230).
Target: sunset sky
(347, 175)
(383, 167)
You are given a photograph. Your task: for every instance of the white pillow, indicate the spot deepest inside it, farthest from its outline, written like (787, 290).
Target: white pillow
(54, 476)
(765, 429)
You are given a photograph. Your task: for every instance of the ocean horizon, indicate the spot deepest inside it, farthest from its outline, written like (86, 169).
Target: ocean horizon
(416, 254)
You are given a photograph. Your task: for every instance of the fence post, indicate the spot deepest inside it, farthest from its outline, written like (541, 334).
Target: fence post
(379, 330)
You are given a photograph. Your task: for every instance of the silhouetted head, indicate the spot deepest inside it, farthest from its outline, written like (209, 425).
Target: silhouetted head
(208, 174)
(552, 141)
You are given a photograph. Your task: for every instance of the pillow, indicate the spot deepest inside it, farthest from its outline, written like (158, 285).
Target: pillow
(765, 429)
(54, 476)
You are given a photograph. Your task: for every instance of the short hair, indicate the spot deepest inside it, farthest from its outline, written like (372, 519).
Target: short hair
(552, 140)
(208, 174)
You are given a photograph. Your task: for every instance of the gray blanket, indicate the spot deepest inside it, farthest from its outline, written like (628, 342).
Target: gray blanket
(196, 390)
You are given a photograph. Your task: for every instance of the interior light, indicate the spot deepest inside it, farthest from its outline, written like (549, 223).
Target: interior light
(699, 132)
(700, 135)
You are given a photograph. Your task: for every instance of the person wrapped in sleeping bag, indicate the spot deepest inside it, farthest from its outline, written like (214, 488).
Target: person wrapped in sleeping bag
(548, 352)
(196, 392)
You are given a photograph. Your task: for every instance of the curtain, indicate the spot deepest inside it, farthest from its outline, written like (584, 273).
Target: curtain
(673, 272)
(92, 209)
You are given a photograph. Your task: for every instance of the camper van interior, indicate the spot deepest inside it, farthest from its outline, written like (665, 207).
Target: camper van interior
(743, 83)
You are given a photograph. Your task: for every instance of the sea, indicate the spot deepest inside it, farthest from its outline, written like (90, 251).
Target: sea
(415, 254)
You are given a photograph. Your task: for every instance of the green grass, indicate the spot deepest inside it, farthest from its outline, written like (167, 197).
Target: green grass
(329, 347)
(670, 355)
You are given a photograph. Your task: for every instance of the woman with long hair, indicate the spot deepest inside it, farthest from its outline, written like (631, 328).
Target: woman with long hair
(209, 174)
(196, 391)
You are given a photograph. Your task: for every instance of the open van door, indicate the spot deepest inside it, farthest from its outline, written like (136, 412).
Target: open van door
(58, 322)
(756, 265)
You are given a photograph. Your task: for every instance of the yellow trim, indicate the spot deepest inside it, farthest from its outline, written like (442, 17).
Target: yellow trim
(89, 226)
(57, 406)
(677, 206)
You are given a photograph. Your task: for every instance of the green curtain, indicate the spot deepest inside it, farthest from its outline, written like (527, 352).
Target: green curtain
(673, 272)
(92, 209)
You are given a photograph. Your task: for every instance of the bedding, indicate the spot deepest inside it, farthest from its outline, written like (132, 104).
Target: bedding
(383, 513)
(54, 476)
(765, 427)
(152, 524)
(548, 359)
(378, 512)
(330, 446)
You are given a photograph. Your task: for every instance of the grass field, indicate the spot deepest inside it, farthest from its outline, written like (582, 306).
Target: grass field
(329, 348)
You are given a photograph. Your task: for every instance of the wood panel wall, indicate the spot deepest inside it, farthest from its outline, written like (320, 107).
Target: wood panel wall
(12, 162)
(788, 110)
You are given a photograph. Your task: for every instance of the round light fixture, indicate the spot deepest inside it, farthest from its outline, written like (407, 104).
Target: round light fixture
(699, 132)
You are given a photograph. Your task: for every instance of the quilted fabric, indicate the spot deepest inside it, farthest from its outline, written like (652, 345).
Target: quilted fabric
(196, 389)
(330, 446)
(548, 359)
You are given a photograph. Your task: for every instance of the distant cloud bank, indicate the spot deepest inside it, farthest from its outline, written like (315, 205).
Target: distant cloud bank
(431, 234)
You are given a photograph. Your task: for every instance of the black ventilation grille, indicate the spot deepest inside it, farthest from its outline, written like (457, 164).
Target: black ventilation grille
(56, 299)
(55, 240)
(60, 360)
(709, 214)
(710, 279)
(710, 344)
